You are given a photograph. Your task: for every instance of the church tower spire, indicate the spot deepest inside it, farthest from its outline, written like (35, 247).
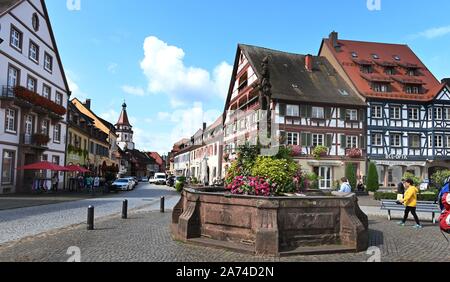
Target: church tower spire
(124, 130)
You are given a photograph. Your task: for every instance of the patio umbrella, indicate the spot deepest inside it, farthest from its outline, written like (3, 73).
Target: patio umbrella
(43, 166)
(76, 168)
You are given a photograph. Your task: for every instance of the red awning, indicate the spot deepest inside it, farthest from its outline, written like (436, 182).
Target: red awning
(76, 168)
(43, 166)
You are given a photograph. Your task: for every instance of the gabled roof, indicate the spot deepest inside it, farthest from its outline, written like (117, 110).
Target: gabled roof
(291, 81)
(382, 55)
(156, 157)
(5, 5)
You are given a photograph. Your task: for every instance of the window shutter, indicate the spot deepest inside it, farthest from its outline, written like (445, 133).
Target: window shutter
(309, 137)
(362, 115)
(303, 111)
(342, 110)
(282, 109)
(283, 137)
(304, 139)
(329, 141)
(343, 141)
(362, 142)
(308, 111)
(327, 113)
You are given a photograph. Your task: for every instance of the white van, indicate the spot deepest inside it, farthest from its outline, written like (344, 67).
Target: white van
(158, 179)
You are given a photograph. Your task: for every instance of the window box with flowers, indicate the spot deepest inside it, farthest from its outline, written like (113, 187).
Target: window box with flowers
(38, 100)
(41, 139)
(319, 152)
(354, 153)
(296, 150)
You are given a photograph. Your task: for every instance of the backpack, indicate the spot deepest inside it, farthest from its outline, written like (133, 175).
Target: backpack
(444, 219)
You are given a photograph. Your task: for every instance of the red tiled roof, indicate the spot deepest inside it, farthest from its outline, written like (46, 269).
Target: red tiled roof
(386, 54)
(123, 119)
(156, 157)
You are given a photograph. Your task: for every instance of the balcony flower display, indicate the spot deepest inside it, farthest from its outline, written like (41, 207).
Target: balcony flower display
(354, 153)
(41, 139)
(295, 150)
(320, 151)
(38, 100)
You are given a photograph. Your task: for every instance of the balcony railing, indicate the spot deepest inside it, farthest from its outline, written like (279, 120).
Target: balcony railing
(36, 100)
(35, 140)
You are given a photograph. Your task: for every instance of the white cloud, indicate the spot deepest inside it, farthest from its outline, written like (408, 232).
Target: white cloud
(112, 116)
(137, 91)
(166, 72)
(112, 68)
(76, 92)
(185, 122)
(432, 33)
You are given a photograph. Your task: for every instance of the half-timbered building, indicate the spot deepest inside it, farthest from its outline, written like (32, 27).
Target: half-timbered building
(313, 108)
(408, 108)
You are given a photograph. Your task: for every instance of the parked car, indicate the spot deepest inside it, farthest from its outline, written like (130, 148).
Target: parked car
(143, 179)
(171, 181)
(121, 184)
(158, 179)
(133, 181)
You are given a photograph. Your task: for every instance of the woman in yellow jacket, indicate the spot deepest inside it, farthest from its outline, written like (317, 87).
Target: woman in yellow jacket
(410, 202)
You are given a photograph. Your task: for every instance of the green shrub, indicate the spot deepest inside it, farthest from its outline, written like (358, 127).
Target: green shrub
(179, 186)
(246, 157)
(415, 179)
(284, 153)
(372, 178)
(278, 172)
(319, 152)
(439, 177)
(350, 174)
(425, 196)
(313, 180)
(194, 180)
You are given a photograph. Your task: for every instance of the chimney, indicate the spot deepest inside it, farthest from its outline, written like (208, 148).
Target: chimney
(87, 104)
(309, 62)
(204, 126)
(446, 81)
(334, 36)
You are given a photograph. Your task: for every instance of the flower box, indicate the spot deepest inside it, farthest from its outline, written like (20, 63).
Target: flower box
(354, 153)
(38, 100)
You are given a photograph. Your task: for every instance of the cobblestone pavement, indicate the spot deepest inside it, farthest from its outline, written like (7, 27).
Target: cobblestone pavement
(23, 222)
(145, 237)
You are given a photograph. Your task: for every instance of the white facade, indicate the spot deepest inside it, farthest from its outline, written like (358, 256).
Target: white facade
(33, 64)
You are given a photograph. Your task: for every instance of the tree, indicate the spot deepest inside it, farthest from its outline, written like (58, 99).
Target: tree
(350, 174)
(439, 177)
(372, 178)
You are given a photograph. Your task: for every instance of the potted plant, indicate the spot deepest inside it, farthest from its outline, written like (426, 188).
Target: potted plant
(354, 153)
(41, 139)
(320, 151)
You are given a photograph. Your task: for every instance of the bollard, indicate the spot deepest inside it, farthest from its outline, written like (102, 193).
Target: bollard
(162, 204)
(90, 218)
(125, 209)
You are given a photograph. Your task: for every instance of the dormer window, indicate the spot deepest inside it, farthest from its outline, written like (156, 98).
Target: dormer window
(411, 72)
(380, 87)
(390, 71)
(375, 56)
(413, 89)
(354, 55)
(366, 69)
(396, 57)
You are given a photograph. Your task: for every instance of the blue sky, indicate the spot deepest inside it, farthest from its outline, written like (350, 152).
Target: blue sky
(171, 60)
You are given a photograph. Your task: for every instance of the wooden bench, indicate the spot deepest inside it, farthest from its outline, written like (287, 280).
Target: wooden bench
(422, 206)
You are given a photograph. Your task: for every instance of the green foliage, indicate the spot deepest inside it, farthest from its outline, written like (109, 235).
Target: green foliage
(85, 154)
(70, 148)
(319, 151)
(350, 173)
(278, 172)
(313, 180)
(246, 158)
(439, 177)
(414, 178)
(194, 180)
(372, 178)
(179, 186)
(181, 179)
(426, 196)
(233, 171)
(284, 153)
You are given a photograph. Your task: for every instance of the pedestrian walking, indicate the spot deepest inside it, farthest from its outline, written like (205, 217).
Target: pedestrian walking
(400, 192)
(89, 183)
(96, 184)
(410, 202)
(55, 180)
(345, 186)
